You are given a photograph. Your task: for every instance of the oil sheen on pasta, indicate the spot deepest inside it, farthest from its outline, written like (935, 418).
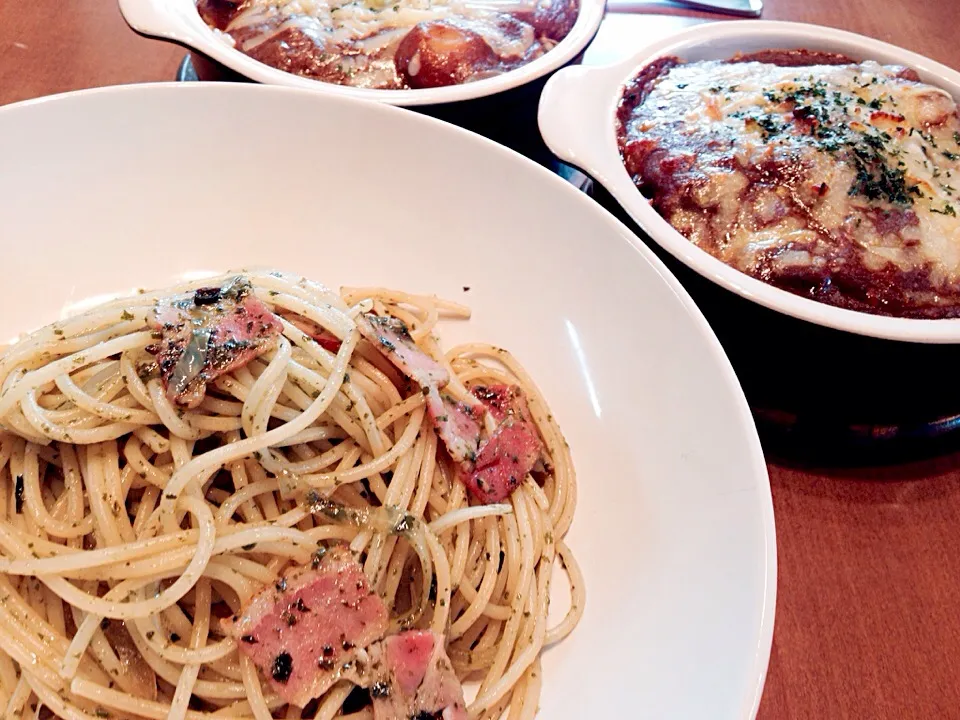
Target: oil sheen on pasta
(392, 44)
(835, 180)
(253, 497)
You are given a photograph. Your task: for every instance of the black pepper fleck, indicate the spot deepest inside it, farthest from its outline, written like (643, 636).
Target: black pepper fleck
(282, 667)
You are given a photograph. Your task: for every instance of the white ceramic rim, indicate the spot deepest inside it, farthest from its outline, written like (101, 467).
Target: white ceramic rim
(179, 22)
(764, 631)
(577, 120)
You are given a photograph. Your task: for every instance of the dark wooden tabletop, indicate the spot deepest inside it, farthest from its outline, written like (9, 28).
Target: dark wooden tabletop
(868, 608)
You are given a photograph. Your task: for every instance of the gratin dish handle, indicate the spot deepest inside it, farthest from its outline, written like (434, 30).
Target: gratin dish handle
(151, 17)
(576, 116)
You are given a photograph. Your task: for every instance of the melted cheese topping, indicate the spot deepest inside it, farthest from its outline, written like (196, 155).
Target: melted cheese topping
(371, 25)
(792, 171)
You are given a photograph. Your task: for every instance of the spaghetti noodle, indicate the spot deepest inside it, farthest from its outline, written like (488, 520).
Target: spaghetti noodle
(147, 497)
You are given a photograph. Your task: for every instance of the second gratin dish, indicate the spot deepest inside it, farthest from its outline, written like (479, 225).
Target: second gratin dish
(810, 170)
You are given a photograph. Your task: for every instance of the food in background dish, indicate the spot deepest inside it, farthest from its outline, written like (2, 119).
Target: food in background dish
(392, 44)
(835, 180)
(253, 495)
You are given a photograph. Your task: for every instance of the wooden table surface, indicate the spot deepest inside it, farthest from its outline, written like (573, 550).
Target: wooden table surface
(868, 607)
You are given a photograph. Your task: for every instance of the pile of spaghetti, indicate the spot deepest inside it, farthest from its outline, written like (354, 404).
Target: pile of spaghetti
(252, 496)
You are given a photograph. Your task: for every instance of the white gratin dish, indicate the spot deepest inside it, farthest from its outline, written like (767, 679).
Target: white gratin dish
(577, 118)
(178, 21)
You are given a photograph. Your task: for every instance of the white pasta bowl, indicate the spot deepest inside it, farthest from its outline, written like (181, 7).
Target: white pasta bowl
(108, 190)
(178, 21)
(577, 117)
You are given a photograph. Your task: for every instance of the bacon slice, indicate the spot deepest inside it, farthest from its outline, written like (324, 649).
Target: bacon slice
(503, 401)
(457, 424)
(513, 450)
(503, 461)
(324, 338)
(492, 470)
(392, 338)
(208, 333)
(309, 630)
(415, 679)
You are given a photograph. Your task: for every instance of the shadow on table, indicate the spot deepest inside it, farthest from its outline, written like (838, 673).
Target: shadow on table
(902, 484)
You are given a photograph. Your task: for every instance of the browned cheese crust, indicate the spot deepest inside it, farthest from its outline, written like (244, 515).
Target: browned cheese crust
(832, 179)
(449, 50)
